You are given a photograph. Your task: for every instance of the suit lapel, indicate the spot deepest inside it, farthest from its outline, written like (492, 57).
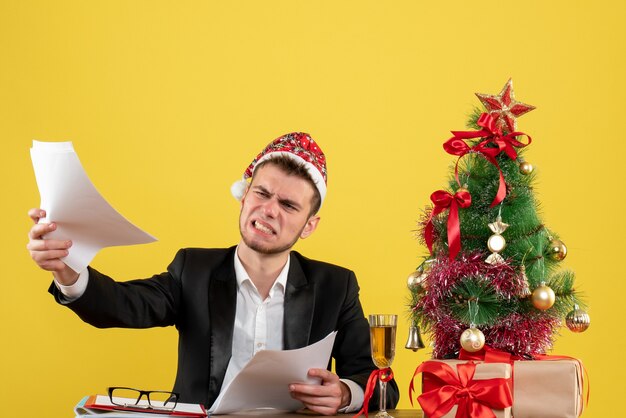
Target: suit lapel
(222, 305)
(299, 304)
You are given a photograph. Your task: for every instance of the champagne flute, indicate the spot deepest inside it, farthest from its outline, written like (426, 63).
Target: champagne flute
(383, 340)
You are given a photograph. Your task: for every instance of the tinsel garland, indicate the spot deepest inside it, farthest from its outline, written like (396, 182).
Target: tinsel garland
(524, 336)
(527, 334)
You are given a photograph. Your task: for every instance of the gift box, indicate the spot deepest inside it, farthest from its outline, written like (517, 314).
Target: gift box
(550, 386)
(547, 388)
(474, 386)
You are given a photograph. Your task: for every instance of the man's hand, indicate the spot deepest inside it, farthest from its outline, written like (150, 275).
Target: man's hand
(326, 398)
(47, 252)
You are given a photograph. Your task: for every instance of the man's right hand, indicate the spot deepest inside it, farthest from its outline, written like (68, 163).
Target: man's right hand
(47, 252)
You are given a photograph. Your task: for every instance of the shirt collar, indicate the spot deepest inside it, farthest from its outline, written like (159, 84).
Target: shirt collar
(242, 275)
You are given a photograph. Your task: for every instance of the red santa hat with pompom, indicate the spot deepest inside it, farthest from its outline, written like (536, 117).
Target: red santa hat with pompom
(298, 146)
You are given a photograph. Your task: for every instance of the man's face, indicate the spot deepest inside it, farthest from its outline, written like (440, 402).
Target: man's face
(275, 211)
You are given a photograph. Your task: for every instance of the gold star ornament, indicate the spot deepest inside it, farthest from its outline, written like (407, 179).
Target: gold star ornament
(504, 107)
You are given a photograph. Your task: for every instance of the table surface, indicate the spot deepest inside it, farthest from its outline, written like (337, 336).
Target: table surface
(395, 413)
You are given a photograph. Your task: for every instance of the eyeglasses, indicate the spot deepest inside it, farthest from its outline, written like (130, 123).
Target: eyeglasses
(143, 399)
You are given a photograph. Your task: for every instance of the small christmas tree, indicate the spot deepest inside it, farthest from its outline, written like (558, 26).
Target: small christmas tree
(493, 272)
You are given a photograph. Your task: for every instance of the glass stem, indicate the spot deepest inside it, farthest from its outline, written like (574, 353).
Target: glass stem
(382, 404)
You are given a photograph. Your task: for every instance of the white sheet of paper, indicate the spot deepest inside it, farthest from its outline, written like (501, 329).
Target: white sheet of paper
(264, 383)
(73, 203)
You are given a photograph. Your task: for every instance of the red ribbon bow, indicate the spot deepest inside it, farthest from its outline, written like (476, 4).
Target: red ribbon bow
(384, 375)
(443, 200)
(474, 398)
(507, 143)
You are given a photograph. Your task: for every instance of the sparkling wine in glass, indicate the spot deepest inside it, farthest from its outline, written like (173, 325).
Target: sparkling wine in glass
(383, 340)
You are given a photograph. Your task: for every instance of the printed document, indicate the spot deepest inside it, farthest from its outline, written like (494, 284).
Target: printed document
(264, 383)
(73, 203)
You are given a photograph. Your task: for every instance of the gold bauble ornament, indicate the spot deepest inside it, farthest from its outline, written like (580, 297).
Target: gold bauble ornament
(543, 297)
(557, 250)
(525, 168)
(416, 279)
(472, 339)
(577, 320)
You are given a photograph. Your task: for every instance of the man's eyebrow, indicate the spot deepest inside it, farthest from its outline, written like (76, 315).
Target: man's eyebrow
(282, 201)
(290, 203)
(262, 189)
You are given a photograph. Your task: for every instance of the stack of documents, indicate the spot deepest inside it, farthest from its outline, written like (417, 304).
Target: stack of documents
(101, 405)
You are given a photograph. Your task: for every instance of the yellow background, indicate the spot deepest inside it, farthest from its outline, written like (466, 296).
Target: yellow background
(167, 102)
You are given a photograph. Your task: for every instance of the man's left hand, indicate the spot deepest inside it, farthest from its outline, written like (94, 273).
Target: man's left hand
(326, 398)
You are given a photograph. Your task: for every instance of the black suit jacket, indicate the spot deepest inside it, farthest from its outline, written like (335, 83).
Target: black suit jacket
(198, 295)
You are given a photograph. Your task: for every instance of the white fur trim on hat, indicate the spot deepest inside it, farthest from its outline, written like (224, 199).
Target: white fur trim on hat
(238, 188)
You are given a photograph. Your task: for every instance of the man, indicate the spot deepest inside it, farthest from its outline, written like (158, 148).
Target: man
(228, 304)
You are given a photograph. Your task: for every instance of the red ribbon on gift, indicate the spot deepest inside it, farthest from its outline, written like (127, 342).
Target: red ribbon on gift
(474, 398)
(492, 355)
(493, 135)
(384, 375)
(443, 200)
(489, 355)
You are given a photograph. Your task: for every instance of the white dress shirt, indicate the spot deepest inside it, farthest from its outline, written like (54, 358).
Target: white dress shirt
(258, 323)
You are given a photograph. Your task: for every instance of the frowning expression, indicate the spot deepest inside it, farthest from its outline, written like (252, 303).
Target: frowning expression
(275, 211)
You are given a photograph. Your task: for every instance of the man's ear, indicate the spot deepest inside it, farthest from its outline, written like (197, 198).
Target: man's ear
(310, 226)
(245, 193)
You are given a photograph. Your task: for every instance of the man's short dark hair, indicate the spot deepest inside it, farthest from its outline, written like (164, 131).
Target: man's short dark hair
(292, 167)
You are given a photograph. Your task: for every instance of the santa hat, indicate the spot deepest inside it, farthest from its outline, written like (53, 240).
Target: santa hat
(300, 147)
